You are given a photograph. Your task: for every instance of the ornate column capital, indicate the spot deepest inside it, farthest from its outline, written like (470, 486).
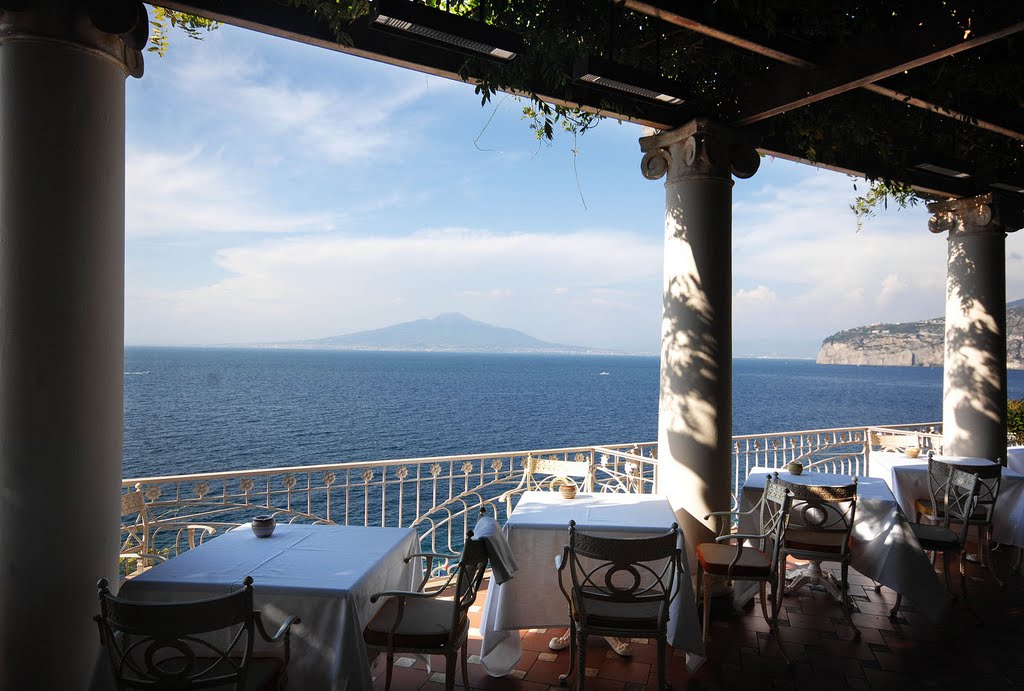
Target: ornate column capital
(699, 149)
(987, 213)
(118, 29)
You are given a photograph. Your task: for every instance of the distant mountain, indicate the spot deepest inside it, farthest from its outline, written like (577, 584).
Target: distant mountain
(446, 332)
(913, 343)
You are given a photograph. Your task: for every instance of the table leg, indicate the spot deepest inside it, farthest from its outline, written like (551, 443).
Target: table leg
(812, 574)
(621, 646)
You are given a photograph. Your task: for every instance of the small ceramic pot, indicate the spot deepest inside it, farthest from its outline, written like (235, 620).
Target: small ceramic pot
(795, 468)
(912, 452)
(568, 491)
(263, 526)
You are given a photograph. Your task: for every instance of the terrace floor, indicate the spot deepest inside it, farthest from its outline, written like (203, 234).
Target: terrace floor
(983, 649)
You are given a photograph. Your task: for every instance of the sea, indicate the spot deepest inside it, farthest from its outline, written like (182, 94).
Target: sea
(192, 410)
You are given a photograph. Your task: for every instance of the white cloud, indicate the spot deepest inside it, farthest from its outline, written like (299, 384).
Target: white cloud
(192, 192)
(892, 286)
(324, 285)
(801, 240)
(761, 295)
(345, 122)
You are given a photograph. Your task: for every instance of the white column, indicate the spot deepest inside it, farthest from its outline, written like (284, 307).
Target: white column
(974, 367)
(695, 405)
(62, 83)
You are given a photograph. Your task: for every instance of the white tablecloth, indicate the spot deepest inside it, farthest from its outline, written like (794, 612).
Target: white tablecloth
(324, 574)
(883, 547)
(537, 531)
(1015, 459)
(908, 478)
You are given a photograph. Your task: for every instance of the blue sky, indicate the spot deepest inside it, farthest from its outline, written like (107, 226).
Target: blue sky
(279, 192)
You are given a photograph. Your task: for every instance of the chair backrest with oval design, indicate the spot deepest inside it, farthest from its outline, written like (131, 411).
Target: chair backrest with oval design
(622, 570)
(178, 646)
(821, 518)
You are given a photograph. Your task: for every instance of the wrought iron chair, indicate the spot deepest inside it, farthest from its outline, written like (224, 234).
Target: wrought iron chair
(958, 503)
(931, 507)
(137, 545)
(756, 562)
(820, 524)
(423, 621)
(203, 644)
(550, 473)
(620, 587)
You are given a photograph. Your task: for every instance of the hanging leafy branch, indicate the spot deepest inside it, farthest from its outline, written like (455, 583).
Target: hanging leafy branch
(162, 21)
(865, 205)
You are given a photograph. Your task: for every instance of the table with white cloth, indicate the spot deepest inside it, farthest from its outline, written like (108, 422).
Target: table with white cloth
(1015, 458)
(324, 574)
(908, 478)
(882, 546)
(537, 531)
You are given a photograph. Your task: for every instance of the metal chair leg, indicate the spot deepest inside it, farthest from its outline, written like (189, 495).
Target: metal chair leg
(387, 674)
(581, 673)
(563, 678)
(764, 605)
(662, 682)
(465, 664)
(776, 605)
(707, 604)
(894, 612)
(845, 590)
(449, 671)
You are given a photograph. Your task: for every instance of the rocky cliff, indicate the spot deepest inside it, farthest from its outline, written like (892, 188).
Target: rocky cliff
(911, 344)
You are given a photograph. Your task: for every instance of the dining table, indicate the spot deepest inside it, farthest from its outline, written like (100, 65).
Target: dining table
(1015, 458)
(536, 532)
(882, 545)
(908, 479)
(324, 574)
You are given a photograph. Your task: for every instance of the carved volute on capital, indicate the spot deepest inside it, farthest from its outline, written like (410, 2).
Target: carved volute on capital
(699, 149)
(117, 28)
(987, 213)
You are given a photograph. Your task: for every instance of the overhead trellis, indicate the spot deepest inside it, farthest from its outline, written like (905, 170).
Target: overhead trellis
(928, 94)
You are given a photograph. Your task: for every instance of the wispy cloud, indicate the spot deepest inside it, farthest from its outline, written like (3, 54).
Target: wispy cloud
(192, 192)
(320, 286)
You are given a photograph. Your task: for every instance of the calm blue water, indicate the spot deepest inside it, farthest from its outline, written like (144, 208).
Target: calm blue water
(202, 410)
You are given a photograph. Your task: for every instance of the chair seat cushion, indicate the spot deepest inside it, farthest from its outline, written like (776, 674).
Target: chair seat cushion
(715, 558)
(625, 617)
(814, 541)
(982, 514)
(934, 537)
(426, 623)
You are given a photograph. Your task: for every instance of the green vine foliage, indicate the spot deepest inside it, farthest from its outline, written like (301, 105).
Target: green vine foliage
(880, 192)
(1015, 420)
(162, 21)
(559, 32)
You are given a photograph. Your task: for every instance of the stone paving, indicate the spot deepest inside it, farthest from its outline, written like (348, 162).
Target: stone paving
(976, 647)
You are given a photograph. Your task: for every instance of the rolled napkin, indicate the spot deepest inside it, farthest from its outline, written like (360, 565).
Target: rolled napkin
(503, 564)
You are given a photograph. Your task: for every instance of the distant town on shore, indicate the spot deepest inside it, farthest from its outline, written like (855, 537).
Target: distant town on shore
(912, 344)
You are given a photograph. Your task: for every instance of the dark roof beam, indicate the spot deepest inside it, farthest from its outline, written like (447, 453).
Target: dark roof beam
(793, 89)
(700, 25)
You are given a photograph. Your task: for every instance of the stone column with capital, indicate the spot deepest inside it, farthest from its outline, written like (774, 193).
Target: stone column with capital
(695, 404)
(974, 365)
(63, 65)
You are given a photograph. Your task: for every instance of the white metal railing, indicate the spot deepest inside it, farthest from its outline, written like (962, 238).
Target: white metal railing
(438, 496)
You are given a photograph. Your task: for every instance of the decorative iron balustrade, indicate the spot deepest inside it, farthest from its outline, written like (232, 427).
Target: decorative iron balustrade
(439, 496)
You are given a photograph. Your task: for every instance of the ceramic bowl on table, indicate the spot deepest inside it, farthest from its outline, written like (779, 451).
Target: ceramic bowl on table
(263, 526)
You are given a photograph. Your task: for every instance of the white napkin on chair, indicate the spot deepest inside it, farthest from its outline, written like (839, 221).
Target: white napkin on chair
(503, 564)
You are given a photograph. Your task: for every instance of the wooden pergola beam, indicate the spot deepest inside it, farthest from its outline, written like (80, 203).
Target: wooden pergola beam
(789, 91)
(657, 9)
